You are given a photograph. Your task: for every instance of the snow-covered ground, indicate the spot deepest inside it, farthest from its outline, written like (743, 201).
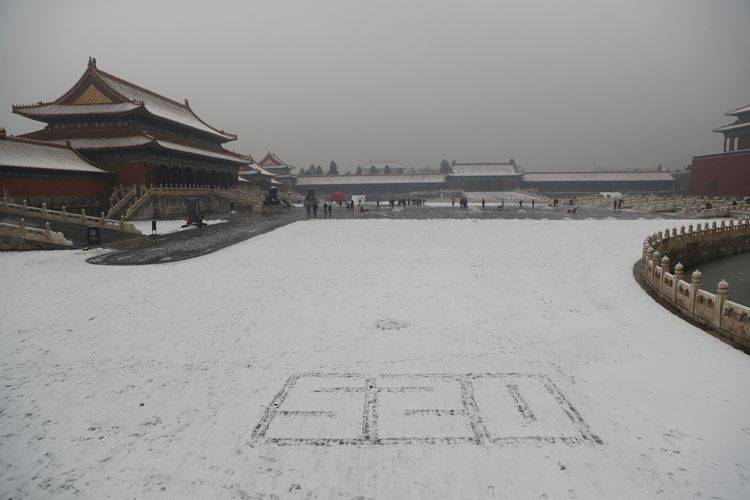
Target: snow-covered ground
(169, 225)
(413, 359)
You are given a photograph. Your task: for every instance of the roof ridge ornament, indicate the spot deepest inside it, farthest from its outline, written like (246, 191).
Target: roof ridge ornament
(3, 133)
(92, 62)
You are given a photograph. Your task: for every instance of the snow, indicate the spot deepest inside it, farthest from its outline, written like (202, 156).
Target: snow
(156, 381)
(30, 154)
(168, 226)
(596, 176)
(483, 169)
(497, 196)
(160, 106)
(345, 180)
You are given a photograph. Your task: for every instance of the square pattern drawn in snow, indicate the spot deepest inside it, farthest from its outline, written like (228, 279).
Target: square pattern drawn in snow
(340, 409)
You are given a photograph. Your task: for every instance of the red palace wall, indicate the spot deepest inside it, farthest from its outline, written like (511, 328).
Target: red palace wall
(128, 174)
(724, 174)
(25, 187)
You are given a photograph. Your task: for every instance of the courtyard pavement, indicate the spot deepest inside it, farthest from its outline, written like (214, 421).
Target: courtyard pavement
(202, 241)
(367, 359)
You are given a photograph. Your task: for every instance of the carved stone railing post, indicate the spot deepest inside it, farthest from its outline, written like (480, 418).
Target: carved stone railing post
(44, 210)
(679, 272)
(22, 229)
(25, 209)
(664, 264)
(664, 271)
(696, 283)
(722, 294)
(122, 223)
(657, 264)
(83, 216)
(63, 215)
(102, 220)
(47, 233)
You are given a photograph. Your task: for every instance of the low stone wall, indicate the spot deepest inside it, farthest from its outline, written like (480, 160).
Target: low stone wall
(24, 210)
(695, 244)
(690, 247)
(20, 237)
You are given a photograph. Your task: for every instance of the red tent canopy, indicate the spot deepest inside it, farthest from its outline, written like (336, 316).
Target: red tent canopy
(338, 196)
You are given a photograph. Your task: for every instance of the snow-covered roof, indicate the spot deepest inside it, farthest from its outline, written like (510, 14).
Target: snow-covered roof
(52, 109)
(105, 142)
(254, 169)
(483, 169)
(161, 106)
(26, 153)
(272, 160)
(222, 154)
(326, 180)
(278, 169)
(732, 126)
(120, 90)
(596, 176)
(141, 140)
(739, 111)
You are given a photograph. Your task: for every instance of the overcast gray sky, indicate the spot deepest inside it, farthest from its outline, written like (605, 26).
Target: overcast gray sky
(556, 85)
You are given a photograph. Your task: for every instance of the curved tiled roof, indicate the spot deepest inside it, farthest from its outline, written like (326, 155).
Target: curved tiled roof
(142, 140)
(27, 153)
(733, 126)
(739, 111)
(133, 97)
(596, 176)
(53, 109)
(483, 169)
(325, 180)
(271, 160)
(160, 106)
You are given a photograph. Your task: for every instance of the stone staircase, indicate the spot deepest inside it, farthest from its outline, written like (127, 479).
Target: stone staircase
(156, 202)
(121, 200)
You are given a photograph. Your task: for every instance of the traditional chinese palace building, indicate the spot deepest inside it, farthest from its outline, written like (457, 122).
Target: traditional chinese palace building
(141, 137)
(726, 173)
(566, 183)
(282, 172)
(56, 174)
(484, 176)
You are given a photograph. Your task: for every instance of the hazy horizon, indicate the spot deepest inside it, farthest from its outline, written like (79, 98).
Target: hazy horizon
(557, 86)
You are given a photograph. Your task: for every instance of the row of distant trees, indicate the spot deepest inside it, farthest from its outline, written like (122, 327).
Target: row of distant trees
(333, 169)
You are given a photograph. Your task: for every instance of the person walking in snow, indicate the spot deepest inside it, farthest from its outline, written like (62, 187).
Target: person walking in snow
(482, 202)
